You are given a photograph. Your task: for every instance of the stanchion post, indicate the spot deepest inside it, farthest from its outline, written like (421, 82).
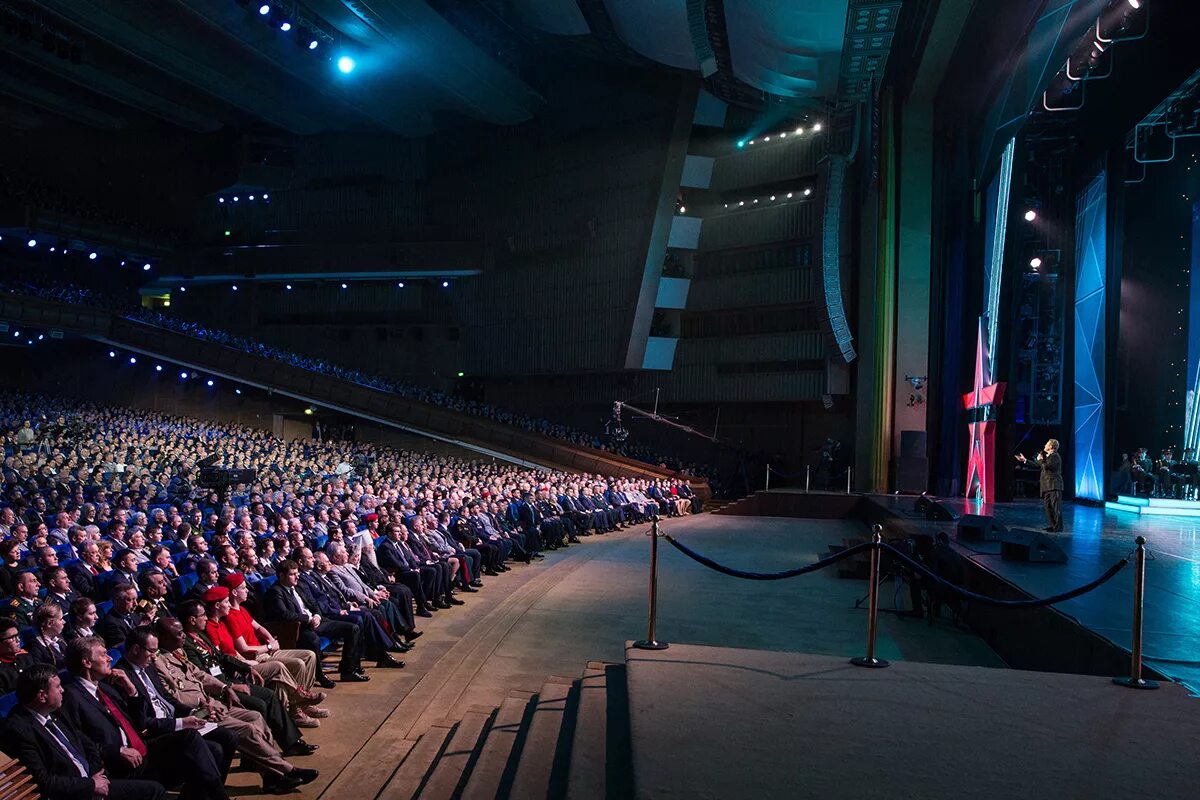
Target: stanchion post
(847, 480)
(872, 606)
(807, 477)
(650, 642)
(1135, 679)
(768, 478)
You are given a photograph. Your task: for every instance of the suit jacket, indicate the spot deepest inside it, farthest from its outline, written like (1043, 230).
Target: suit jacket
(278, 605)
(328, 605)
(114, 627)
(45, 654)
(395, 556)
(179, 709)
(1051, 479)
(93, 719)
(27, 740)
(85, 582)
(351, 582)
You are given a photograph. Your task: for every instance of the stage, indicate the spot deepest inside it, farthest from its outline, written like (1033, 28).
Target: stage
(1095, 538)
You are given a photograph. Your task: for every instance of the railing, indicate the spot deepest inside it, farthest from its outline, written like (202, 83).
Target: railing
(876, 547)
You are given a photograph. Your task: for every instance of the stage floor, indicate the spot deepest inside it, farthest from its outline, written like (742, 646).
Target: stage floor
(1094, 539)
(713, 722)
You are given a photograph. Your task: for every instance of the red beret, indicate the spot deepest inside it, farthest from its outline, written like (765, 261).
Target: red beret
(216, 593)
(232, 580)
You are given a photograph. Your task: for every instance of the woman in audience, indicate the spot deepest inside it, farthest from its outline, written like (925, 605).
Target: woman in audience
(83, 619)
(48, 645)
(10, 566)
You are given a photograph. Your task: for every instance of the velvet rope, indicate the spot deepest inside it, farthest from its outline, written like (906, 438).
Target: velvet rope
(905, 559)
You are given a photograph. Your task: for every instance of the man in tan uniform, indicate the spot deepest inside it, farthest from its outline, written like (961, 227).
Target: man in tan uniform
(192, 687)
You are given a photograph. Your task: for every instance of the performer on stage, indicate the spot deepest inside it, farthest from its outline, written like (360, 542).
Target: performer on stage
(1051, 481)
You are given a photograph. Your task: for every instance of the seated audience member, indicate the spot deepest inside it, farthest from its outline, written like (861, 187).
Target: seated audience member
(65, 764)
(26, 600)
(122, 618)
(105, 706)
(47, 646)
(193, 688)
(11, 566)
(86, 574)
(288, 601)
(81, 618)
(13, 659)
(58, 588)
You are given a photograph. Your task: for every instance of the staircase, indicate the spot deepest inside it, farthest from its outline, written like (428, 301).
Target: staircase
(570, 741)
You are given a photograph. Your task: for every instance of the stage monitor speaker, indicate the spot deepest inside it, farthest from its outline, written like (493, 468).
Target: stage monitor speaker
(1025, 545)
(932, 509)
(980, 528)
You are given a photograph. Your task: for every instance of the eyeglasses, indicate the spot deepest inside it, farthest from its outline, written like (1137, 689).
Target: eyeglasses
(10, 637)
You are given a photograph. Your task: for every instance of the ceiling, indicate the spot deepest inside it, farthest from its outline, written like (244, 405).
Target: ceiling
(422, 65)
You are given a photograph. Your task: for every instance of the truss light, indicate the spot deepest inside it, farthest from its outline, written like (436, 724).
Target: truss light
(445, 284)
(799, 131)
(288, 287)
(145, 267)
(250, 198)
(807, 192)
(264, 9)
(314, 44)
(112, 354)
(789, 195)
(91, 256)
(1030, 215)
(210, 382)
(1035, 262)
(1135, 3)
(234, 287)
(346, 65)
(285, 26)
(220, 199)
(343, 286)
(817, 128)
(32, 243)
(183, 376)
(400, 285)
(132, 359)
(158, 367)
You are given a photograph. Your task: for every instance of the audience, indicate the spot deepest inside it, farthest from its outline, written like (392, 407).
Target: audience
(335, 544)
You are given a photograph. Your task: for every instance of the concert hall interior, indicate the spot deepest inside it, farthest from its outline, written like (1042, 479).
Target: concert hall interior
(599, 399)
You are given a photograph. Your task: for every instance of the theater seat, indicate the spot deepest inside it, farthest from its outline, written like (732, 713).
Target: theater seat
(7, 703)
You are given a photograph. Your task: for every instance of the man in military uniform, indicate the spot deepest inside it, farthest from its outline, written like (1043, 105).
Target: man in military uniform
(25, 600)
(153, 603)
(194, 688)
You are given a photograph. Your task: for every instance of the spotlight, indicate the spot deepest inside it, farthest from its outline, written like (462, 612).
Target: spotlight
(741, 144)
(41, 336)
(799, 131)
(285, 26)
(234, 287)
(210, 383)
(741, 203)
(52, 249)
(1030, 215)
(235, 198)
(158, 367)
(112, 354)
(445, 284)
(751, 142)
(314, 44)
(288, 287)
(807, 192)
(237, 391)
(122, 263)
(32, 243)
(817, 128)
(766, 138)
(264, 9)
(266, 196)
(145, 267)
(343, 286)
(461, 374)
(227, 233)
(1035, 262)
(183, 376)
(683, 209)
(132, 360)
(16, 334)
(789, 195)
(346, 65)
(250, 198)
(309, 411)
(183, 288)
(1135, 3)
(783, 135)
(400, 285)
(220, 199)
(772, 198)
(91, 256)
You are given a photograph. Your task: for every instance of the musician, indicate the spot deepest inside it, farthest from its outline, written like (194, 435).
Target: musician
(1142, 469)
(1051, 482)
(1185, 472)
(1164, 468)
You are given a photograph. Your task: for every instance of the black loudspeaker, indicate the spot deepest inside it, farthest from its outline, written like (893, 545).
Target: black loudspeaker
(1023, 545)
(912, 444)
(933, 510)
(978, 528)
(912, 474)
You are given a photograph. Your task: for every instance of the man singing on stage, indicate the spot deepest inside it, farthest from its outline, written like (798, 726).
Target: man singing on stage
(1051, 483)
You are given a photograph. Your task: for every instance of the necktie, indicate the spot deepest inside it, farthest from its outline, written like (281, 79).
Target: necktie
(76, 756)
(162, 709)
(131, 735)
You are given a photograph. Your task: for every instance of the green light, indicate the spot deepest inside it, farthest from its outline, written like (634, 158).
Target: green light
(227, 233)
(461, 374)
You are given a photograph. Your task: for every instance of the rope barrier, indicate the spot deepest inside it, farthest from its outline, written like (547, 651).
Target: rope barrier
(916, 566)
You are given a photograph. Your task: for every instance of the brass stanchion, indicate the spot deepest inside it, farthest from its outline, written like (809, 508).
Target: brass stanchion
(768, 478)
(651, 643)
(847, 480)
(872, 607)
(807, 477)
(1135, 679)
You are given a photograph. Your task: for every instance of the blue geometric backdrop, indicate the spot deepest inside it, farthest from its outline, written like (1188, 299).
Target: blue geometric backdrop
(1089, 340)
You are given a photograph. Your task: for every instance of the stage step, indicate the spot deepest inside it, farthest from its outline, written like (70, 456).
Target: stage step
(541, 747)
(587, 777)
(408, 779)
(487, 778)
(454, 764)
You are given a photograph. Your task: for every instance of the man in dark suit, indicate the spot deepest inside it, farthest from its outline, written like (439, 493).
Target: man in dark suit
(395, 558)
(1051, 483)
(65, 764)
(287, 601)
(84, 574)
(121, 619)
(105, 706)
